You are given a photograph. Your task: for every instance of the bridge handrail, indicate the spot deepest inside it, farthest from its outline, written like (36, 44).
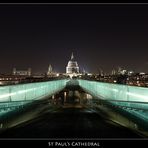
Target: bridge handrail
(30, 91)
(108, 91)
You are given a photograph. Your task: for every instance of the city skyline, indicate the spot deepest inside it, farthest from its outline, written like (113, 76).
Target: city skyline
(100, 36)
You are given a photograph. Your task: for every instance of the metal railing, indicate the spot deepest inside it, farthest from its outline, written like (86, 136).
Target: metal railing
(15, 95)
(130, 98)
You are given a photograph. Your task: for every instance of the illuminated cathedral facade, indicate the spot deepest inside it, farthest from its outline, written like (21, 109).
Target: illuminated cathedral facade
(72, 66)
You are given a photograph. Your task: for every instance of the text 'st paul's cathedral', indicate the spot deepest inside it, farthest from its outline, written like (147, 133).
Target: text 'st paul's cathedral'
(72, 66)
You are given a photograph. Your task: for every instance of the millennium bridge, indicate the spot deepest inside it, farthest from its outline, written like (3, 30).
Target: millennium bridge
(73, 108)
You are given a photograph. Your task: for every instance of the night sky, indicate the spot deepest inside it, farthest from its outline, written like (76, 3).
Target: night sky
(100, 36)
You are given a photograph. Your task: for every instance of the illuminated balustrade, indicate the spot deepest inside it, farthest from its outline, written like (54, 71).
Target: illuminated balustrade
(30, 91)
(108, 91)
(133, 99)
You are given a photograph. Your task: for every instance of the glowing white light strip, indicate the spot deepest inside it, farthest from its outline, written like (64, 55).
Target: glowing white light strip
(23, 91)
(137, 95)
(116, 90)
(7, 95)
(14, 93)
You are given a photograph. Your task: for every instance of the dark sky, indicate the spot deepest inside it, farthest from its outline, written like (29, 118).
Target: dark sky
(101, 36)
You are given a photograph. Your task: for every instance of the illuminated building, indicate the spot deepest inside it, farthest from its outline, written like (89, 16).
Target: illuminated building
(49, 72)
(72, 66)
(113, 72)
(22, 72)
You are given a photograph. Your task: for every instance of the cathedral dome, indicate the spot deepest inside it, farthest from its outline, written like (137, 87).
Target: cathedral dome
(72, 66)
